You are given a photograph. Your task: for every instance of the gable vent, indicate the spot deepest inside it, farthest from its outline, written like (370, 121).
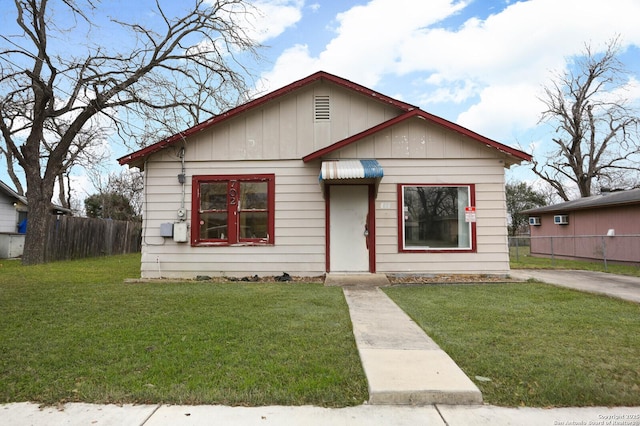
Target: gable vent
(322, 111)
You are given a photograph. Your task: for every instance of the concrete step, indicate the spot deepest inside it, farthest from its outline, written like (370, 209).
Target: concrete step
(356, 280)
(402, 364)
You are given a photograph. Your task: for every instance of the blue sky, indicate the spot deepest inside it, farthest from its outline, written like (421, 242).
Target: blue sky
(479, 63)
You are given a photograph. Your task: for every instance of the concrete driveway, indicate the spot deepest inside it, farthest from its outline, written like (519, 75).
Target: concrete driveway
(618, 286)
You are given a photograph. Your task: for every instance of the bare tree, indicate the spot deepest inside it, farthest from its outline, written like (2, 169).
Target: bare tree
(10, 161)
(596, 131)
(85, 151)
(49, 80)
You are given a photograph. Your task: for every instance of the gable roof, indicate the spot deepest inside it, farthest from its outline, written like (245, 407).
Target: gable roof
(418, 113)
(137, 158)
(12, 194)
(606, 199)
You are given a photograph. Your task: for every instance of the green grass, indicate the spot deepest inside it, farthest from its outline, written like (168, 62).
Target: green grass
(540, 345)
(523, 260)
(73, 331)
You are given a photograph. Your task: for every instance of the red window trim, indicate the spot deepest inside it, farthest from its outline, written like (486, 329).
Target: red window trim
(195, 210)
(472, 202)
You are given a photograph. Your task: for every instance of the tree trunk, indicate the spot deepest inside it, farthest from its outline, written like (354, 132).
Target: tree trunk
(39, 193)
(62, 196)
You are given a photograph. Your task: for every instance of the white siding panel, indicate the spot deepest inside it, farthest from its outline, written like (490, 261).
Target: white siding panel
(287, 129)
(8, 215)
(255, 136)
(339, 117)
(358, 114)
(271, 129)
(381, 143)
(305, 136)
(417, 135)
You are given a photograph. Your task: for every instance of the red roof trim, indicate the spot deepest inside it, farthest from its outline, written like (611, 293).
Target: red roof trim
(424, 115)
(320, 75)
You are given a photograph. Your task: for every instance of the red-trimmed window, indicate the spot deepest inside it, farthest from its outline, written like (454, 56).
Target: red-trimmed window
(236, 209)
(431, 218)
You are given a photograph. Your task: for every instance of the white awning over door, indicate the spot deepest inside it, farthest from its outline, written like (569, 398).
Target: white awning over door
(350, 169)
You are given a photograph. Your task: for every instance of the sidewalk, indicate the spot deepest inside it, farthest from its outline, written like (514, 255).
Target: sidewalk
(23, 414)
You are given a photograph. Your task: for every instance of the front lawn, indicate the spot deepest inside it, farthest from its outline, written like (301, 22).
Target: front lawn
(73, 331)
(534, 344)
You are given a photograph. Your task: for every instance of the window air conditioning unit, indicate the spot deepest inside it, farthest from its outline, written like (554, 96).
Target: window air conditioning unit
(561, 219)
(534, 221)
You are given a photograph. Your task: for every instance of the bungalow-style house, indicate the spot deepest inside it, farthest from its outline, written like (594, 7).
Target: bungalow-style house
(13, 221)
(324, 176)
(13, 209)
(597, 227)
(13, 214)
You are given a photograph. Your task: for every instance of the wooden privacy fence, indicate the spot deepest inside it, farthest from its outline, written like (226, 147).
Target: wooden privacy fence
(78, 237)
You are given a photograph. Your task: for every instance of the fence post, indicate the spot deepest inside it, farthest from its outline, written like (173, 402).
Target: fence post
(517, 249)
(553, 259)
(604, 252)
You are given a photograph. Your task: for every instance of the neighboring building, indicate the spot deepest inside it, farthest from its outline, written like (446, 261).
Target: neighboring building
(605, 225)
(13, 215)
(13, 221)
(324, 175)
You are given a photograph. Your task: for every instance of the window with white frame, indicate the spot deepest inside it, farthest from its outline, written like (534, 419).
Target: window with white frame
(432, 218)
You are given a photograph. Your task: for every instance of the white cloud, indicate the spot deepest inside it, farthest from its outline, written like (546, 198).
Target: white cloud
(493, 67)
(266, 19)
(366, 43)
(456, 92)
(293, 64)
(499, 101)
(274, 17)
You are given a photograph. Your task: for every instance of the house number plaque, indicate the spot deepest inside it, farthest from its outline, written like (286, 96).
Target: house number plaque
(233, 192)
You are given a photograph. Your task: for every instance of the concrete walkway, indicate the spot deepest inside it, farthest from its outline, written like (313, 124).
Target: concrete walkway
(402, 364)
(618, 286)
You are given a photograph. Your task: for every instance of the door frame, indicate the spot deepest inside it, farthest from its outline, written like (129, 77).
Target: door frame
(370, 223)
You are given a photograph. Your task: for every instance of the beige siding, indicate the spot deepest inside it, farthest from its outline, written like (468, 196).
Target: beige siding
(300, 221)
(416, 138)
(491, 229)
(299, 224)
(285, 128)
(273, 139)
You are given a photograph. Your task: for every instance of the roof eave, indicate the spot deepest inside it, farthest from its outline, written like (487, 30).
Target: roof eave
(567, 209)
(515, 154)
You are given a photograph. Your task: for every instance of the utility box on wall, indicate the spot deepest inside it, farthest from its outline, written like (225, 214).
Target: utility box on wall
(180, 234)
(166, 230)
